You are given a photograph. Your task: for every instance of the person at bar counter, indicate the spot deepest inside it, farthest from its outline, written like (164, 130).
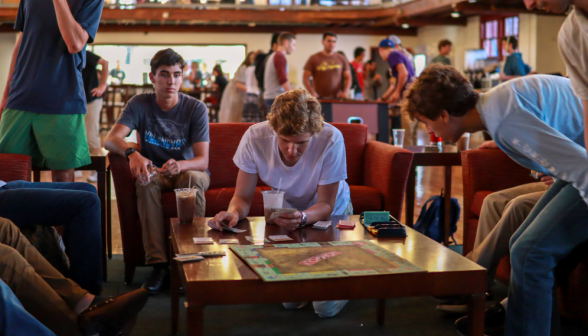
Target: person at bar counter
(514, 66)
(537, 121)
(173, 129)
(43, 106)
(295, 146)
(276, 69)
(444, 47)
(327, 68)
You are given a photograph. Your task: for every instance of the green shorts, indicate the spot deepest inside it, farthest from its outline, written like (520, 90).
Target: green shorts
(57, 141)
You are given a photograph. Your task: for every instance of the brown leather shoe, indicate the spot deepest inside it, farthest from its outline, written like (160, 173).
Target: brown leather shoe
(113, 313)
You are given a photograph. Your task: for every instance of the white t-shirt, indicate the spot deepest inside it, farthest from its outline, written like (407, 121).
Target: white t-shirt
(573, 47)
(251, 81)
(322, 163)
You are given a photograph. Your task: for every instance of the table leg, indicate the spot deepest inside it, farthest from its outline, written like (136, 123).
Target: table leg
(109, 212)
(175, 296)
(195, 319)
(476, 305)
(447, 201)
(102, 196)
(410, 196)
(381, 311)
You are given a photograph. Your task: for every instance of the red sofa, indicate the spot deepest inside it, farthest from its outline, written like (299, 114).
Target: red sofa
(15, 167)
(377, 175)
(489, 170)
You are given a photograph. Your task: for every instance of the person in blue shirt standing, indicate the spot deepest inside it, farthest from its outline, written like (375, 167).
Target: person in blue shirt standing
(513, 66)
(403, 73)
(43, 106)
(538, 122)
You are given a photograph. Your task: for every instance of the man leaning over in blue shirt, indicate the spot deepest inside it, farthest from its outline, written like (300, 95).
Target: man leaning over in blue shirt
(538, 122)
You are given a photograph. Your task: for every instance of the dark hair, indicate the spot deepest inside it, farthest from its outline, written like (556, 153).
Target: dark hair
(247, 61)
(325, 35)
(358, 52)
(275, 38)
(218, 69)
(439, 88)
(166, 57)
(444, 43)
(370, 61)
(340, 52)
(286, 36)
(511, 40)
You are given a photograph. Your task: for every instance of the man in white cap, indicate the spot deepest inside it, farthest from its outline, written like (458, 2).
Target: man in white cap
(398, 46)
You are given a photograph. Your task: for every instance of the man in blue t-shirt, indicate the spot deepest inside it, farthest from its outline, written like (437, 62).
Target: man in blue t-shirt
(513, 65)
(538, 122)
(173, 131)
(44, 102)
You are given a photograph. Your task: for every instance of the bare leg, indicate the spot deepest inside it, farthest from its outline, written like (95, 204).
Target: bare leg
(63, 175)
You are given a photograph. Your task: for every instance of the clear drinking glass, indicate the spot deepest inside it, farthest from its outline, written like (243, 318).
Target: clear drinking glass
(398, 137)
(186, 202)
(272, 201)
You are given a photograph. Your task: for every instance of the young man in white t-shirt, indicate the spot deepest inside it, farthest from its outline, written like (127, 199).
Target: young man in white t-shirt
(573, 44)
(297, 147)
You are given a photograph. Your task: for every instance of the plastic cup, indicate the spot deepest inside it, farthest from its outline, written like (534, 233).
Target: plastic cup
(272, 201)
(464, 142)
(398, 137)
(186, 202)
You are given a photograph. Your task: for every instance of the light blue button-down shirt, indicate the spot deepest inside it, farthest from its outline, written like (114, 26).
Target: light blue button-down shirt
(538, 122)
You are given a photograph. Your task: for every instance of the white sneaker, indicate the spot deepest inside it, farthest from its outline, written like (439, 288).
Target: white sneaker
(93, 177)
(78, 174)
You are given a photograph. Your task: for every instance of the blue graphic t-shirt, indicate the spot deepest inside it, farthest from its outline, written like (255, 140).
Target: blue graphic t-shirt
(166, 135)
(47, 78)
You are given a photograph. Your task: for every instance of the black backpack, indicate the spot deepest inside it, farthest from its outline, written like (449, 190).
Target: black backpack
(429, 222)
(260, 61)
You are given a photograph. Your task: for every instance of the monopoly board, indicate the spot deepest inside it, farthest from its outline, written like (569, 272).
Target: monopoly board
(284, 262)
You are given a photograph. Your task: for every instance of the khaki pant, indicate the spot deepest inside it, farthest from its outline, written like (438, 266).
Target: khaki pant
(151, 210)
(410, 130)
(41, 289)
(92, 121)
(502, 214)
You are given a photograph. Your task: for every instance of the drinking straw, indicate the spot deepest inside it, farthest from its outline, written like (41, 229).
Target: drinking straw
(279, 185)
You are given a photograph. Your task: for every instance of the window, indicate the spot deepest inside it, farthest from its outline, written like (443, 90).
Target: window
(493, 29)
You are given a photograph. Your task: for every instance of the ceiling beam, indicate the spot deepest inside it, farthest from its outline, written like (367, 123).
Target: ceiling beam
(423, 7)
(421, 22)
(480, 8)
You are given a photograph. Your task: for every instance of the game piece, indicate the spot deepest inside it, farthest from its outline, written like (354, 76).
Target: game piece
(203, 240)
(228, 241)
(279, 212)
(337, 259)
(188, 258)
(346, 224)
(322, 225)
(280, 238)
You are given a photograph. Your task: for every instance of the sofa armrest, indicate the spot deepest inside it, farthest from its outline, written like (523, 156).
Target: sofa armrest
(487, 170)
(386, 169)
(126, 199)
(15, 167)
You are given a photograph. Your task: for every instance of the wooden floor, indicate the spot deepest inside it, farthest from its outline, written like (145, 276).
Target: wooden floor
(429, 183)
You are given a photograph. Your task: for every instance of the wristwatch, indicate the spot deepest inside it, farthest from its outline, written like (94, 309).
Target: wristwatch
(129, 151)
(303, 220)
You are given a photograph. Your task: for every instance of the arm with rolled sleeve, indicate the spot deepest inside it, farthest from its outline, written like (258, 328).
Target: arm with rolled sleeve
(280, 64)
(79, 30)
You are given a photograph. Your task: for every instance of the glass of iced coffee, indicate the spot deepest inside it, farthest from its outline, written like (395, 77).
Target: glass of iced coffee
(186, 202)
(272, 201)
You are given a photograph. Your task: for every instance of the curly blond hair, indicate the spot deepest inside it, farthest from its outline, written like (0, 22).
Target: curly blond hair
(296, 112)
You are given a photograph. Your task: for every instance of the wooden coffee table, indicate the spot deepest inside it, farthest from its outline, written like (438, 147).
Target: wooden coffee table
(228, 280)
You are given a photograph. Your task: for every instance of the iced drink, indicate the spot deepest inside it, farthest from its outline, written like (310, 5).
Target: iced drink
(272, 201)
(186, 201)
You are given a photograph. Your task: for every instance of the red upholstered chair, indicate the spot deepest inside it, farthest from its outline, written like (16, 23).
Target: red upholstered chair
(489, 170)
(377, 176)
(15, 167)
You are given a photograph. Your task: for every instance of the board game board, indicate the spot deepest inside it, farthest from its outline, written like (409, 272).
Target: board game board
(284, 262)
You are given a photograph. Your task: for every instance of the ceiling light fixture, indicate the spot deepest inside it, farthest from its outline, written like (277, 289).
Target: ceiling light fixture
(455, 15)
(405, 25)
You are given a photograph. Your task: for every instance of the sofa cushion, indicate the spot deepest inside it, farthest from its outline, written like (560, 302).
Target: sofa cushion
(365, 199)
(355, 137)
(479, 201)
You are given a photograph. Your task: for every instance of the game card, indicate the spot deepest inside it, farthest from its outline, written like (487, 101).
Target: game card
(346, 224)
(203, 240)
(279, 212)
(280, 238)
(257, 240)
(228, 241)
(322, 225)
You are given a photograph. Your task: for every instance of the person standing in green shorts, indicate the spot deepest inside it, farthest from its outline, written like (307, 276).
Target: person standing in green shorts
(43, 106)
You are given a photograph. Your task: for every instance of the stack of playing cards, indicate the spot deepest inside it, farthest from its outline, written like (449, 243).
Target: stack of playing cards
(322, 225)
(280, 238)
(231, 229)
(188, 258)
(228, 241)
(203, 240)
(256, 240)
(346, 224)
